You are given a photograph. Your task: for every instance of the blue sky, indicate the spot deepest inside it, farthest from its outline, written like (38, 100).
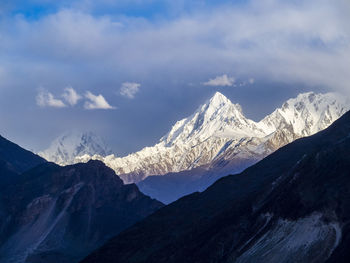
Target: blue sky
(128, 70)
(149, 9)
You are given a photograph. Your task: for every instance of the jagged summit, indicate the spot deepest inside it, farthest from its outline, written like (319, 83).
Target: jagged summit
(218, 99)
(64, 149)
(217, 102)
(308, 113)
(217, 117)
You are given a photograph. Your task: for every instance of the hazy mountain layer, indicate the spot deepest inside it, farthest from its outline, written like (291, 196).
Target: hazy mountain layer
(67, 147)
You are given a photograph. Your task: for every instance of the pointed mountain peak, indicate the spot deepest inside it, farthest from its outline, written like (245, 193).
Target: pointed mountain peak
(218, 117)
(218, 99)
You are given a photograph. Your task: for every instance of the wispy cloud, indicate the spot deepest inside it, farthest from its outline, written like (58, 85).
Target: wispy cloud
(96, 102)
(46, 99)
(71, 96)
(223, 81)
(129, 89)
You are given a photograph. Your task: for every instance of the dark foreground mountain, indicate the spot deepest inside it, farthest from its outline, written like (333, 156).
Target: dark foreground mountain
(60, 214)
(15, 160)
(294, 206)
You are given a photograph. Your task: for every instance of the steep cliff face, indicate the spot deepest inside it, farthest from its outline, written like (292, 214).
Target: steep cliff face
(293, 206)
(60, 214)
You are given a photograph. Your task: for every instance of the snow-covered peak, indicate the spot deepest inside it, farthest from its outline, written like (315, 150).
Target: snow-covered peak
(307, 114)
(218, 100)
(64, 149)
(217, 117)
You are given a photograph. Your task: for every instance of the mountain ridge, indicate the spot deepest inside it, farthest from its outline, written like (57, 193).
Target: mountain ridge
(18, 158)
(218, 131)
(15, 160)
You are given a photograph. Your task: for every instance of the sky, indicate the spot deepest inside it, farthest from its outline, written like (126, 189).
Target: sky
(128, 70)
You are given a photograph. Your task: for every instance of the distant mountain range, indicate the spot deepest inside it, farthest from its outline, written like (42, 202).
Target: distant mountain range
(293, 206)
(215, 140)
(66, 148)
(55, 214)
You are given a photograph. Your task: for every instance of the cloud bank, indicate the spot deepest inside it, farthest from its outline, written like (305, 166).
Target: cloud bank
(284, 45)
(290, 41)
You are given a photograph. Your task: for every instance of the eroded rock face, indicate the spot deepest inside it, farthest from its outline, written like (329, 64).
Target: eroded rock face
(60, 214)
(308, 239)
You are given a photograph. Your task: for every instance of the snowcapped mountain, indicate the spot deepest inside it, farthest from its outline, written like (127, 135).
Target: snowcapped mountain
(307, 114)
(302, 116)
(218, 117)
(218, 134)
(67, 147)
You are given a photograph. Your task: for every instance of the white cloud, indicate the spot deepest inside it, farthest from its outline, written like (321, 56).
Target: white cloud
(96, 102)
(46, 99)
(305, 42)
(223, 80)
(129, 89)
(71, 96)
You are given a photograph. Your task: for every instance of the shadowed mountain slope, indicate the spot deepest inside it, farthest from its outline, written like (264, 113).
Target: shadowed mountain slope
(18, 158)
(293, 206)
(60, 214)
(15, 160)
